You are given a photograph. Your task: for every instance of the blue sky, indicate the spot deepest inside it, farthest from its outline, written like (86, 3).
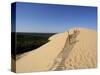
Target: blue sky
(33, 17)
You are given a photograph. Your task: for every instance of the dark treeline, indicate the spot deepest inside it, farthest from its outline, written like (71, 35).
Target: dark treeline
(25, 42)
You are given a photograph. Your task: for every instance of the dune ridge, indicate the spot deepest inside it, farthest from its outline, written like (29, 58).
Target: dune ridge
(84, 53)
(79, 53)
(42, 58)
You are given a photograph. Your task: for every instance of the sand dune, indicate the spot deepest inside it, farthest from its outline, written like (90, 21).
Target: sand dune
(79, 53)
(42, 58)
(83, 55)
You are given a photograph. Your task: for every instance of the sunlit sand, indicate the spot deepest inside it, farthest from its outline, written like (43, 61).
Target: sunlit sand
(67, 50)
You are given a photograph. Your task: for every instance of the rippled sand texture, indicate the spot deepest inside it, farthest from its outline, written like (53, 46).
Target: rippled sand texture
(73, 49)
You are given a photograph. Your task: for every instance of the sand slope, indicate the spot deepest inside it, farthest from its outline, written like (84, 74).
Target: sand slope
(42, 58)
(82, 55)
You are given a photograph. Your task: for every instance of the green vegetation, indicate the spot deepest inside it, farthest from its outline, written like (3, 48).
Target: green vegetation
(29, 41)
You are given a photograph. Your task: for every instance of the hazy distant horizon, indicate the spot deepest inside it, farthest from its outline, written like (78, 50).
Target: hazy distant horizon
(37, 32)
(58, 32)
(50, 18)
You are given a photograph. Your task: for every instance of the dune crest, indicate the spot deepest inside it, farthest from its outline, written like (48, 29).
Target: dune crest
(84, 53)
(68, 50)
(42, 58)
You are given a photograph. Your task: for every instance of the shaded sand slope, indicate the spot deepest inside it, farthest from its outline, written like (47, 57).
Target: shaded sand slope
(83, 55)
(42, 58)
(59, 62)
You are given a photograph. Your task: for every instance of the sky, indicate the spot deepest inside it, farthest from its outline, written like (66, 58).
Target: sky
(35, 17)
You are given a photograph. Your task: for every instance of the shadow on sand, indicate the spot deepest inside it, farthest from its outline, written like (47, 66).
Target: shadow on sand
(59, 62)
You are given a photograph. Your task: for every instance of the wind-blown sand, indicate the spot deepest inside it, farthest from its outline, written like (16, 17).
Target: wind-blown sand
(81, 54)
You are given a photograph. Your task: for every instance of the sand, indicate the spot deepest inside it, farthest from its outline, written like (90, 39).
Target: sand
(78, 54)
(84, 54)
(42, 58)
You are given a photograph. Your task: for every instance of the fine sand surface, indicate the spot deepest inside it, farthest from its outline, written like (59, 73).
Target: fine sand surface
(42, 58)
(84, 53)
(79, 53)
